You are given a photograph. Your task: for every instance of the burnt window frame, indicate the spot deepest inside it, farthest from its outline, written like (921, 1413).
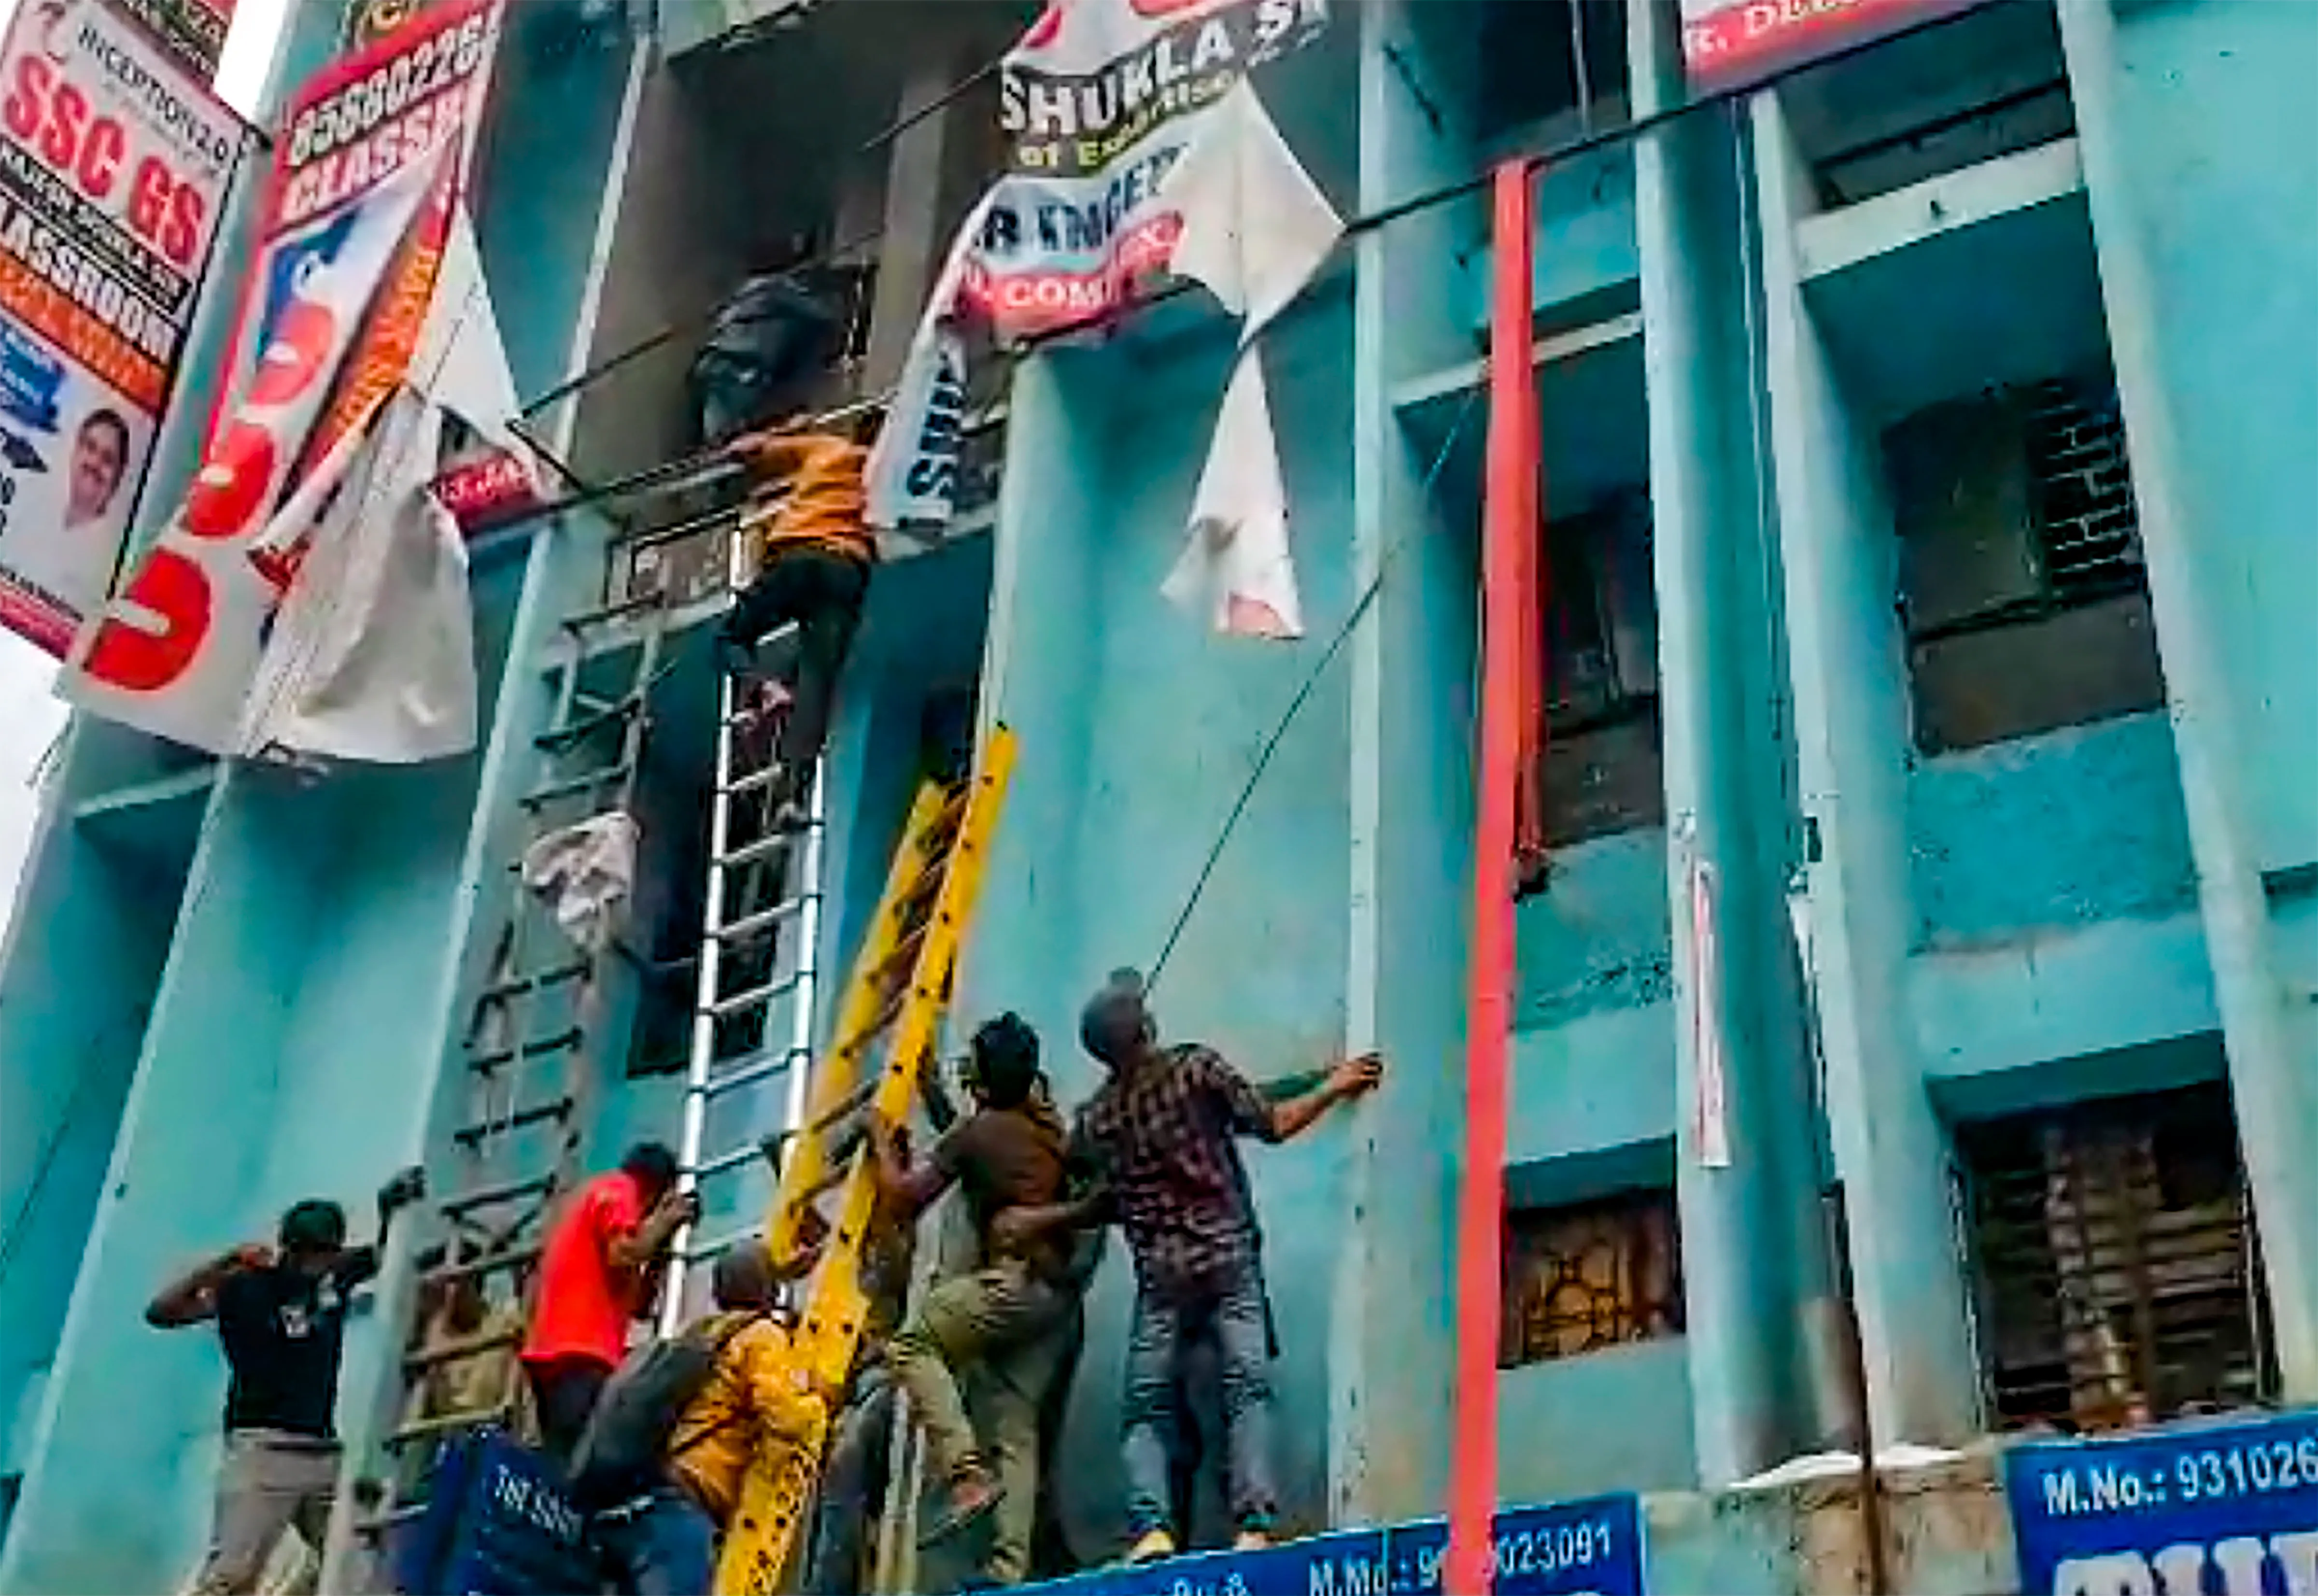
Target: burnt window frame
(1588, 686)
(1644, 1320)
(2148, 1388)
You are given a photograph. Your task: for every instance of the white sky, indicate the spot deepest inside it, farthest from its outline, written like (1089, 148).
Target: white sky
(29, 715)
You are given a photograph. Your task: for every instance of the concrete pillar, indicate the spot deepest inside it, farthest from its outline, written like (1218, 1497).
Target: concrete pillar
(2271, 1034)
(1752, 1260)
(910, 248)
(1849, 673)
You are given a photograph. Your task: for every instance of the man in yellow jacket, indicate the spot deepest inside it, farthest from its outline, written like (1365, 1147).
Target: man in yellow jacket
(814, 552)
(759, 1394)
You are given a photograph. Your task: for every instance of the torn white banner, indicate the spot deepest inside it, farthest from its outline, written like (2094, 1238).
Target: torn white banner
(1255, 229)
(911, 477)
(372, 656)
(584, 872)
(1256, 225)
(1236, 562)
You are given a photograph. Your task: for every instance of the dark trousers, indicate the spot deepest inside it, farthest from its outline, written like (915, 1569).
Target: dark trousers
(659, 1544)
(563, 1392)
(822, 592)
(852, 1487)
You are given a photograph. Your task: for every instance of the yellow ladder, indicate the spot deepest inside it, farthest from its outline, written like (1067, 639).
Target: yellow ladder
(896, 995)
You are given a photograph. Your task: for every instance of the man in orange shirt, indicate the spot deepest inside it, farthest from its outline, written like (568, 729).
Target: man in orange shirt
(603, 1254)
(814, 552)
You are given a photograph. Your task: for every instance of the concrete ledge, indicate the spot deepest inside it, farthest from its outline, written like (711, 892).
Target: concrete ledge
(1834, 240)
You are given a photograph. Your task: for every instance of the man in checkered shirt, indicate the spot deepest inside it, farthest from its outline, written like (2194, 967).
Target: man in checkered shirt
(1160, 1136)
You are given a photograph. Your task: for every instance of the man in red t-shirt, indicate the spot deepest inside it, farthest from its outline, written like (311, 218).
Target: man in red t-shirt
(595, 1274)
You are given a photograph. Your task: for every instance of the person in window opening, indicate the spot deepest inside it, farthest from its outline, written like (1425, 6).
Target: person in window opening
(1160, 1134)
(769, 333)
(598, 1271)
(100, 463)
(281, 1316)
(1011, 1323)
(814, 554)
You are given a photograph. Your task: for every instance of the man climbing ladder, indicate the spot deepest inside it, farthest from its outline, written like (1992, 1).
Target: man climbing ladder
(815, 552)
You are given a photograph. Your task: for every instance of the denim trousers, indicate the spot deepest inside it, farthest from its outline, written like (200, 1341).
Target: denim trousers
(659, 1544)
(852, 1487)
(1235, 1314)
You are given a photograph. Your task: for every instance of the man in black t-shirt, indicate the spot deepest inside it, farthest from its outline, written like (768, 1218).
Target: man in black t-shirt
(280, 1314)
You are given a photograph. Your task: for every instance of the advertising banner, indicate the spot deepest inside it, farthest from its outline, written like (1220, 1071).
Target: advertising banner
(2203, 1509)
(192, 30)
(115, 164)
(1722, 41)
(1098, 102)
(361, 199)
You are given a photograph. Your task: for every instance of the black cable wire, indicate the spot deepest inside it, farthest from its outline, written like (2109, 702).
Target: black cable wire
(1303, 694)
(1586, 143)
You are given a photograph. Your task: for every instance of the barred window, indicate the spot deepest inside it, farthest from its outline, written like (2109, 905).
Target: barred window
(2115, 1262)
(2021, 579)
(1585, 1276)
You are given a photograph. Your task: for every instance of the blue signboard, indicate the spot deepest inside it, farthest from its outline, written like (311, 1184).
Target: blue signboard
(1575, 1548)
(2195, 1510)
(496, 1524)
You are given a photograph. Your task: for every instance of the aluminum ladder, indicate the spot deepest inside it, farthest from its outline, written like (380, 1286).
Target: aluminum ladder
(531, 1049)
(888, 1029)
(752, 1019)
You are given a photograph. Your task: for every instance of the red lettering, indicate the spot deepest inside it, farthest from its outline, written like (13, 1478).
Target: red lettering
(181, 238)
(233, 482)
(174, 588)
(150, 191)
(29, 99)
(100, 157)
(301, 343)
(60, 142)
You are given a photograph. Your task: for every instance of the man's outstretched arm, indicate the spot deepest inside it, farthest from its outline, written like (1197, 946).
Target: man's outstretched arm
(191, 1297)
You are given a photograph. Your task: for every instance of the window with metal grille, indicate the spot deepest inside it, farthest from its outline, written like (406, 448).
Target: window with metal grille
(1602, 767)
(2021, 581)
(1588, 1275)
(2115, 1261)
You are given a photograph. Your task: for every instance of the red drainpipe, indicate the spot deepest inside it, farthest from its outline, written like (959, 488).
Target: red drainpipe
(1508, 633)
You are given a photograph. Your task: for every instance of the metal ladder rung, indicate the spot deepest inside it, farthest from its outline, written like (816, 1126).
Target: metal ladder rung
(507, 1192)
(561, 739)
(749, 925)
(614, 612)
(576, 787)
(762, 847)
(520, 1258)
(754, 780)
(557, 1109)
(755, 997)
(466, 1347)
(421, 1429)
(722, 1161)
(764, 1069)
(500, 1057)
(700, 1252)
(377, 1524)
(555, 976)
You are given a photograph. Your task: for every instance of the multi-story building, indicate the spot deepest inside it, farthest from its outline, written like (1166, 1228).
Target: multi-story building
(1920, 1000)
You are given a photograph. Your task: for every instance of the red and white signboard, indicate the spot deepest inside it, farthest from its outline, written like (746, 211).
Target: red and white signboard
(365, 182)
(114, 164)
(1720, 41)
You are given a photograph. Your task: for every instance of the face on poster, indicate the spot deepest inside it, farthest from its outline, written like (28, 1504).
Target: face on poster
(72, 450)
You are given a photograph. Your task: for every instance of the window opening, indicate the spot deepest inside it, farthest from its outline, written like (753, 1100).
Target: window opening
(1603, 770)
(1542, 60)
(1585, 1276)
(2021, 579)
(2115, 1261)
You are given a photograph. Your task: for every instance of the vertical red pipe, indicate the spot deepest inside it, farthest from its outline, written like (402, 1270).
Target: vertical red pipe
(1509, 522)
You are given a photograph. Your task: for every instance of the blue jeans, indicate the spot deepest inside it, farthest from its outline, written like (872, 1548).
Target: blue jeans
(1235, 1314)
(659, 1544)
